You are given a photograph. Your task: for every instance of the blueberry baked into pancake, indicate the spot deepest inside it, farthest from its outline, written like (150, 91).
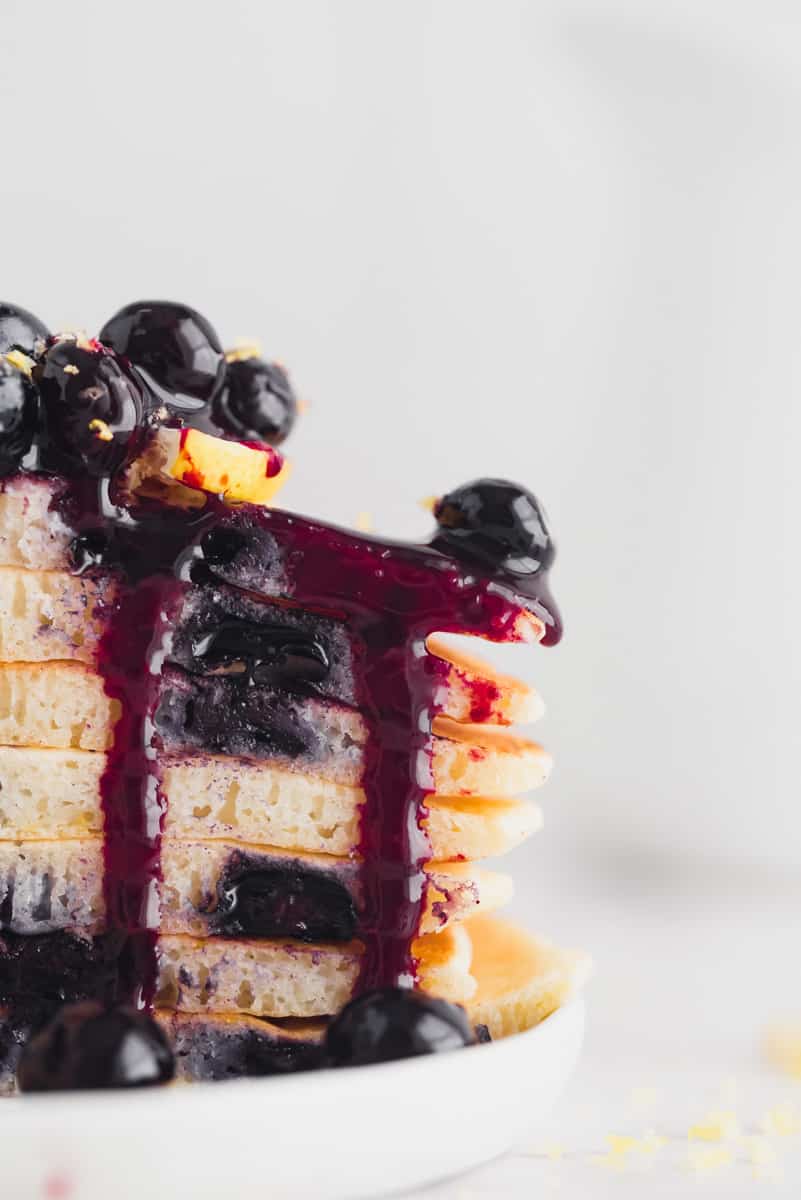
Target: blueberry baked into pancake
(246, 784)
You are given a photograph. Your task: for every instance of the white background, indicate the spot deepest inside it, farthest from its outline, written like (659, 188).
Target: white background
(559, 242)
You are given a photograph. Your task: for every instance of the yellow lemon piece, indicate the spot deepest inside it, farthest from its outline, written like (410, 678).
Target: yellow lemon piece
(181, 467)
(715, 1127)
(21, 362)
(232, 469)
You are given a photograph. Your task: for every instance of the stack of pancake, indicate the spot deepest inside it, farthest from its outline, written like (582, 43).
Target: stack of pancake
(258, 901)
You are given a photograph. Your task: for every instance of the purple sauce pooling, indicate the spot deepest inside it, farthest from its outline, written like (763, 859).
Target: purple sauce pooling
(391, 596)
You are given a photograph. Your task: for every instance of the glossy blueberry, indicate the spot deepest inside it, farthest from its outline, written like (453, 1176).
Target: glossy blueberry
(177, 350)
(222, 545)
(91, 406)
(89, 1046)
(256, 402)
(395, 1023)
(20, 330)
(263, 652)
(497, 524)
(275, 902)
(243, 555)
(18, 412)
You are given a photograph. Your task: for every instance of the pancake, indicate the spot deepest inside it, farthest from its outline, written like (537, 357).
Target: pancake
(47, 615)
(49, 794)
(33, 531)
(235, 888)
(231, 889)
(480, 693)
(520, 978)
(57, 616)
(287, 978)
(216, 796)
(471, 827)
(64, 706)
(226, 1046)
(46, 886)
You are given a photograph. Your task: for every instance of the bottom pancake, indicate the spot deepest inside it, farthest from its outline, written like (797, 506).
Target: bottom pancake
(520, 978)
(226, 1046)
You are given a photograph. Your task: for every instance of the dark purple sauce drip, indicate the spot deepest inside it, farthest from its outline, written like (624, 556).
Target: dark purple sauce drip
(391, 596)
(141, 550)
(132, 807)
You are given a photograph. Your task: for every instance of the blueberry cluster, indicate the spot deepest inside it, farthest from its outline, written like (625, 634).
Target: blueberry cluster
(73, 404)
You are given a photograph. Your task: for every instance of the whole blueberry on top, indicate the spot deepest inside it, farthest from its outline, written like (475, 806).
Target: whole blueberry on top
(91, 406)
(256, 402)
(174, 346)
(395, 1023)
(497, 524)
(20, 330)
(88, 1045)
(18, 411)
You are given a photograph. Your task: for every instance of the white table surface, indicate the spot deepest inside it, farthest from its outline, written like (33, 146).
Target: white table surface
(692, 965)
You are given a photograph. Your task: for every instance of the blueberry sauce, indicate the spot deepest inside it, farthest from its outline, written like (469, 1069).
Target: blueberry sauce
(484, 695)
(140, 551)
(132, 805)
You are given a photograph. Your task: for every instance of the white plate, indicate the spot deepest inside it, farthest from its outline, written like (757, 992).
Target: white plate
(360, 1132)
